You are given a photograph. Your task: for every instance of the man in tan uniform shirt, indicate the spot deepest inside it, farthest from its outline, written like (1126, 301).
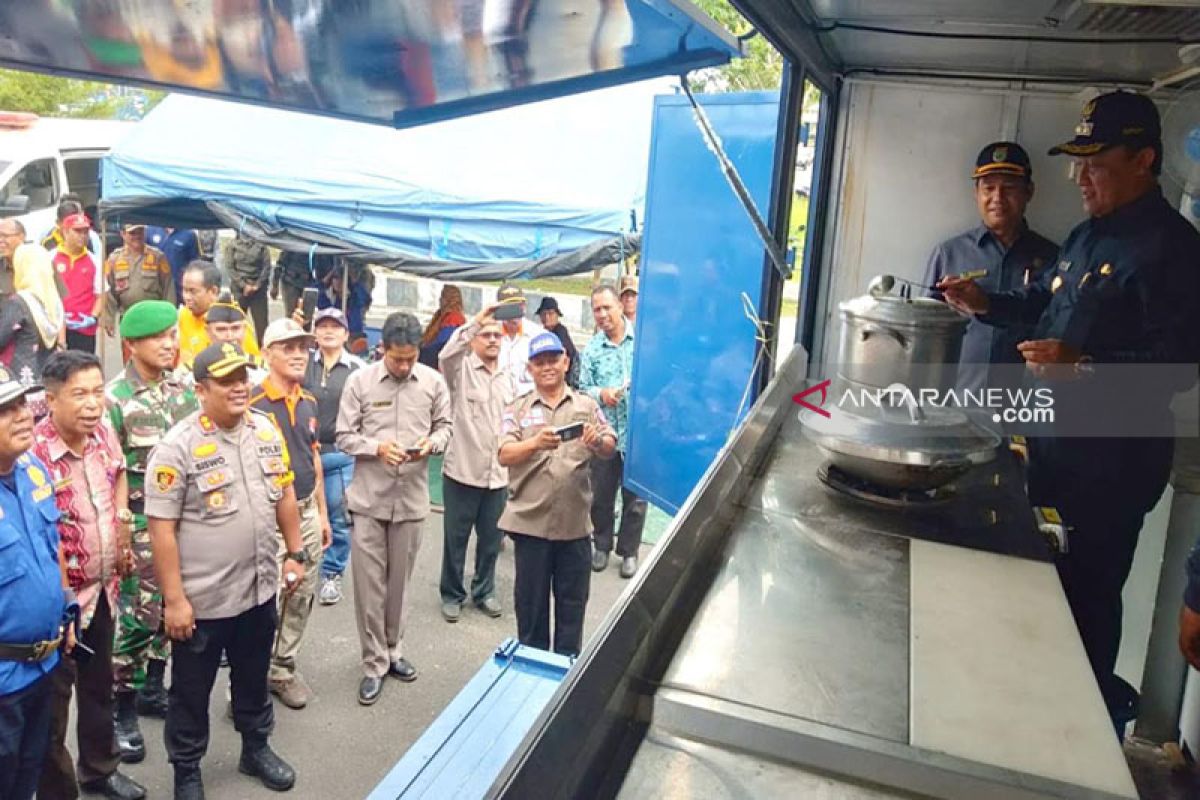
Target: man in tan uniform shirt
(474, 485)
(547, 438)
(218, 495)
(393, 415)
(132, 273)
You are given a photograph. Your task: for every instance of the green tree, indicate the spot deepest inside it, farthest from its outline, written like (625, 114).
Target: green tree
(52, 96)
(760, 68)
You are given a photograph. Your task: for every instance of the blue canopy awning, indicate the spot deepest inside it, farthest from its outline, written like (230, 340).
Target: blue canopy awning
(542, 189)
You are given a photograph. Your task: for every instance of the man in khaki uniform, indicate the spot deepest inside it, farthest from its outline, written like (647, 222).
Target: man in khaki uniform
(218, 486)
(393, 415)
(132, 273)
(547, 438)
(475, 485)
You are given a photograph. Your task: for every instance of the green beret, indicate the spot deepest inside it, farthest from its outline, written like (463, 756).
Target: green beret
(148, 318)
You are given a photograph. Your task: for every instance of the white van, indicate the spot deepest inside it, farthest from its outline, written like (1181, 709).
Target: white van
(42, 158)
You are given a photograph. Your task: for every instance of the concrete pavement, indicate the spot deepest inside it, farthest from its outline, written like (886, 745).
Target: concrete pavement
(340, 749)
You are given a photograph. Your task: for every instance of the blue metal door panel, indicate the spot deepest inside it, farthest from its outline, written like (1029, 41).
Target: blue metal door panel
(695, 345)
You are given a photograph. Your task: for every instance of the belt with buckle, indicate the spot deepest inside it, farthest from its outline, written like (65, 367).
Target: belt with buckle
(30, 653)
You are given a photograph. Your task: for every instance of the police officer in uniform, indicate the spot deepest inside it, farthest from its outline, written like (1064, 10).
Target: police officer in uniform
(219, 488)
(34, 602)
(135, 272)
(144, 400)
(1002, 252)
(1125, 291)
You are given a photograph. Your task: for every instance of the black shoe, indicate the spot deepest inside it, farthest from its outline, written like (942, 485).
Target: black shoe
(369, 690)
(262, 762)
(152, 697)
(125, 724)
(188, 785)
(400, 668)
(599, 561)
(116, 787)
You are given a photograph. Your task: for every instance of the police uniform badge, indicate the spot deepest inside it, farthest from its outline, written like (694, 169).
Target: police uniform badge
(165, 478)
(215, 500)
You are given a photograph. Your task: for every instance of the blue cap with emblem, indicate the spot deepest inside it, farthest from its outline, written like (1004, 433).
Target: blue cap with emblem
(545, 343)
(1002, 158)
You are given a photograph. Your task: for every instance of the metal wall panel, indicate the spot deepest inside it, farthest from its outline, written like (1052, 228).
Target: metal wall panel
(695, 344)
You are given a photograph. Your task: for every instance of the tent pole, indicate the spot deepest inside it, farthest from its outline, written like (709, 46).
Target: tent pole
(345, 283)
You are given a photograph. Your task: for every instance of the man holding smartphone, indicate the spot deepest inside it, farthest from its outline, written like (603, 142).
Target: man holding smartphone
(218, 495)
(87, 472)
(474, 484)
(547, 437)
(394, 414)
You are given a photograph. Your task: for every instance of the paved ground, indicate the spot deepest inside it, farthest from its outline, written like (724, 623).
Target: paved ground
(339, 748)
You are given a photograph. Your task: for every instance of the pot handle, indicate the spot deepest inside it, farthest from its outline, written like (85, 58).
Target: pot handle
(876, 330)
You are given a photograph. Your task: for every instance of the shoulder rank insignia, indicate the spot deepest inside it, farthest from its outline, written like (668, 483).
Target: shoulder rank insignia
(1056, 283)
(206, 424)
(1106, 270)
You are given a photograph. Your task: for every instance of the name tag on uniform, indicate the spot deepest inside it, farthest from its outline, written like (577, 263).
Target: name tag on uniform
(381, 404)
(207, 464)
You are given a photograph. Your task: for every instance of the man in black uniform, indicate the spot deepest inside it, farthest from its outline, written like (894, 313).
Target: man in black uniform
(1125, 291)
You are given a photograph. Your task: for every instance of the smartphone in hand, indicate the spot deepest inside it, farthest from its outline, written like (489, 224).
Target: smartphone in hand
(569, 432)
(308, 306)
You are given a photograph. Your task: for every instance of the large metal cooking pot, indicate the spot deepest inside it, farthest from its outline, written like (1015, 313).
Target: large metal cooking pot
(886, 339)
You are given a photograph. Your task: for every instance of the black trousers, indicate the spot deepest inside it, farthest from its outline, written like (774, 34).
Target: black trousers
(256, 306)
(247, 640)
(24, 738)
(81, 341)
(607, 476)
(92, 684)
(469, 507)
(1103, 489)
(545, 568)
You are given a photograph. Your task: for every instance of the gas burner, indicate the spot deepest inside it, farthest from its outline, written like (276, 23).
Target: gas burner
(867, 492)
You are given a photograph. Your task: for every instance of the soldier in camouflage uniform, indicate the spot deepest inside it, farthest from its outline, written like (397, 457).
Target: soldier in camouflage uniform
(145, 400)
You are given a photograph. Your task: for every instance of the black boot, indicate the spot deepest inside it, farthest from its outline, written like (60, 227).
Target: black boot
(260, 760)
(188, 785)
(125, 723)
(152, 697)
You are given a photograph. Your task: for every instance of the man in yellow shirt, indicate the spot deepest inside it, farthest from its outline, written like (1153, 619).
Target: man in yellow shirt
(201, 289)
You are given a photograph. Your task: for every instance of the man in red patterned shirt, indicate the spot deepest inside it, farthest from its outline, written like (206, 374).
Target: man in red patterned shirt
(81, 283)
(87, 477)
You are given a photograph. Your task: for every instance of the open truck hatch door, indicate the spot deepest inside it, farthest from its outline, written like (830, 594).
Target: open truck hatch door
(394, 62)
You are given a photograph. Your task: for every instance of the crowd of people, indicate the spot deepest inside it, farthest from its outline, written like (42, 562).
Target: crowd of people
(193, 508)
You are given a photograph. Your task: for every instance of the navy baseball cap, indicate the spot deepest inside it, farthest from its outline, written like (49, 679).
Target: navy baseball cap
(545, 343)
(1003, 158)
(1114, 119)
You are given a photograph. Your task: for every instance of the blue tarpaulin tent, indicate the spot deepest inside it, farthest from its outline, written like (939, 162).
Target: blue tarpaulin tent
(550, 188)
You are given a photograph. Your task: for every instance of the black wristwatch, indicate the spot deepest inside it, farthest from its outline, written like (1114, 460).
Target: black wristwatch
(300, 557)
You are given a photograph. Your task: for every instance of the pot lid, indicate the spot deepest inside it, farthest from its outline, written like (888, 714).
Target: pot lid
(920, 312)
(892, 434)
